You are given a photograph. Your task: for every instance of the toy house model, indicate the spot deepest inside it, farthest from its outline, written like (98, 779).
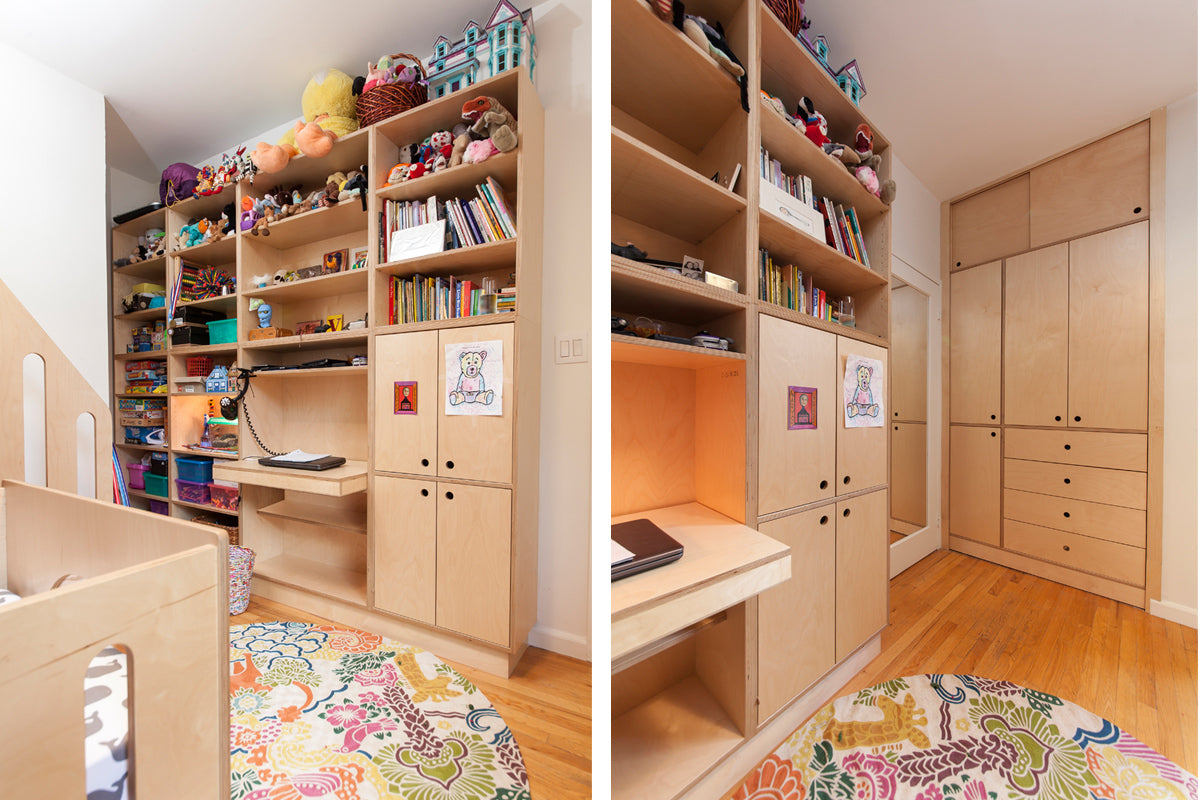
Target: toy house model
(506, 41)
(849, 80)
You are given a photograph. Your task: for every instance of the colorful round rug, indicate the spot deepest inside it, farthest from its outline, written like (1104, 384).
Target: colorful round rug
(330, 712)
(960, 737)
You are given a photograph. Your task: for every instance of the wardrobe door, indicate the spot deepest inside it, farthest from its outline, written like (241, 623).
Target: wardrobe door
(474, 442)
(975, 345)
(1035, 338)
(795, 460)
(406, 403)
(1109, 329)
(405, 547)
(862, 570)
(975, 484)
(861, 452)
(908, 472)
(795, 618)
(990, 224)
(474, 525)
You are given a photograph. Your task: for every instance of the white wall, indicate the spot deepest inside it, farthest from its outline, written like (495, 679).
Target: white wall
(1179, 446)
(916, 222)
(54, 236)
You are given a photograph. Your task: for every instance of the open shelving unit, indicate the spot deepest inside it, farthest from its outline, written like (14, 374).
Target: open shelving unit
(686, 441)
(316, 535)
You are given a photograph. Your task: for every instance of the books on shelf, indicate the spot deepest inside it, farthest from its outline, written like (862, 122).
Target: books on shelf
(469, 221)
(423, 299)
(788, 286)
(843, 232)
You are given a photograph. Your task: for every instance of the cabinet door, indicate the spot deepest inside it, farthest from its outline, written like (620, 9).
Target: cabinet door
(907, 480)
(1109, 329)
(991, 224)
(861, 452)
(474, 561)
(406, 403)
(910, 355)
(795, 464)
(1035, 338)
(862, 570)
(1104, 184)
(795, 618)
(474, 444)
(975, 345)
(975, 484)
(404, 553)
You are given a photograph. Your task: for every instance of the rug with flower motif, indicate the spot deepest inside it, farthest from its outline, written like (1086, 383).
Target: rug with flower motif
(961, 737)
(330, 712)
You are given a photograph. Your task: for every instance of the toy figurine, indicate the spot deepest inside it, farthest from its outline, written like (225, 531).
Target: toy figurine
(264, 316)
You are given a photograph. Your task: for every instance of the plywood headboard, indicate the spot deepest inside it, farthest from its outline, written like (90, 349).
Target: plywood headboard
(67, 396)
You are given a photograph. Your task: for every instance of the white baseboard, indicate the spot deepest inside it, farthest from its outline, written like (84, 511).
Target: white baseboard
(1174, 612)
(556, 641)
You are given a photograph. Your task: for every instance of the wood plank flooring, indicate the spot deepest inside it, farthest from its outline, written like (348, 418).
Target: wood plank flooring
(547, 703)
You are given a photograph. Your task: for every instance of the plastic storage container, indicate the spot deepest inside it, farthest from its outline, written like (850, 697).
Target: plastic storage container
(157, 507)
(137, 473)
(223, 331)
(158, 464)
(224, 497)
(156, 485)
(196, 470)
(190, 492)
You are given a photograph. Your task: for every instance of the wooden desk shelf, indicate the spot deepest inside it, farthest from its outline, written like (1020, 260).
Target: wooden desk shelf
(349, 478)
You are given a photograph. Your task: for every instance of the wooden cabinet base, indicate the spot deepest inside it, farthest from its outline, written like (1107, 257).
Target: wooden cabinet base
(489, 658)
(1095, 584)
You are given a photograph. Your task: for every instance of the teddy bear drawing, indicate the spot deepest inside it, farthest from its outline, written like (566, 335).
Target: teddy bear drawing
(471, 387)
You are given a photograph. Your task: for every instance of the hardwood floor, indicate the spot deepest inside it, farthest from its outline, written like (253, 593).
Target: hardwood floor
(547, 703)
(951, 613)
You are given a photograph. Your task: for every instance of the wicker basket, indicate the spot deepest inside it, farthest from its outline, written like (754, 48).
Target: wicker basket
(213, 520)
(789, 12)
(381, 102)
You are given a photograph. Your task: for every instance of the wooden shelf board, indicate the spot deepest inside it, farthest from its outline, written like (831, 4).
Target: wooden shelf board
(148, 448)
(787, 67)
(316, 577)
(464, 260)
(813, 322)
(659, 192)
(724, 562)
(145, 355)
(830, 178)
(310, 341)
(314, 226)
(210, 254)
(184, 350)
(225, 303)
(636, 350)
(690, 96)
(146, 496)
(208, 206)
(459, 322)
(150, 268)
(666, 744)
(184, 451)
(297, 373)
(138, 225)
(312, 288)
(315, 514)
(349, 152)
(200, 506)
(144, 314)
(830, 270)
(664, 295)
(457, 181)
(349, 478)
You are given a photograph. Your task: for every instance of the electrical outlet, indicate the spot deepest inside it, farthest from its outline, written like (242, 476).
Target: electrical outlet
(570, 349)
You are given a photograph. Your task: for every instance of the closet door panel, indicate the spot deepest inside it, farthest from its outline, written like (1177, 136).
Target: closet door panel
(861, 452)
(991, 224)
(975, 329)
(405, 547)
(1035, 338)
(406, 442)
(1109, 329)
(477, 446)
(474, 560)
(862, 570)
(795, 465)
(795, 619)
(975, 484)
(910, 347)
(908, 472)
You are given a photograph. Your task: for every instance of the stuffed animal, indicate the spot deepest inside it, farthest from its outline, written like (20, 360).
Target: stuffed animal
(441, 147)
(711, 39)
(812, 122)
(398, 174)
(462, 138)
(354, 186)
(312, 140)
(479, 151)
(328, 100)
(492, 120)
(863, 163)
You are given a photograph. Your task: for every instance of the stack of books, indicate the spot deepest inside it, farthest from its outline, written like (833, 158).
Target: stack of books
(422, 299)
(788, 286)
(484, 218)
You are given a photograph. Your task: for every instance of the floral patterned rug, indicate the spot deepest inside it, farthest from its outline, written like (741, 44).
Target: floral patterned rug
(330, 712)
(960, 737)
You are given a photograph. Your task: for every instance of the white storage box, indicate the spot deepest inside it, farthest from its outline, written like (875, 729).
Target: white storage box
(778, 203)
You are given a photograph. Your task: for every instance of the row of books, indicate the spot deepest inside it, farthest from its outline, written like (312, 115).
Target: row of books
(786, 285)
(842, 229)
(469, 221)
(422, 299)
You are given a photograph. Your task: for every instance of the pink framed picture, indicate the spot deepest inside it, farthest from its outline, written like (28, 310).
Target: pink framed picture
(802, 407)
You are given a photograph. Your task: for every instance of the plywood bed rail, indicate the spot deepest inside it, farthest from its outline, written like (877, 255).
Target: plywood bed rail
(67, 396)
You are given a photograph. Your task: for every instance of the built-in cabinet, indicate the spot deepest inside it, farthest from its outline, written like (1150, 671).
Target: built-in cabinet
(1059, 482)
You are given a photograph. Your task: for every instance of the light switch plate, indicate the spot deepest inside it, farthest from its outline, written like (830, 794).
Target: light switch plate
(570, 349)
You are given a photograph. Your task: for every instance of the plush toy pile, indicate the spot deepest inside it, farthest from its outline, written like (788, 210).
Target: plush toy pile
(708, 36)
(487, 128)
(200, 231)
(281, 202)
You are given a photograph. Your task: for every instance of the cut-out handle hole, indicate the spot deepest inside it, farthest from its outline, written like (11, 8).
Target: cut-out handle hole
(845, 512)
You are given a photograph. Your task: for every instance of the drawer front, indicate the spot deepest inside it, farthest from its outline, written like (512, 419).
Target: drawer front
(1108, 486)
(1086, 448)
(1112, 523)
(1117, 561)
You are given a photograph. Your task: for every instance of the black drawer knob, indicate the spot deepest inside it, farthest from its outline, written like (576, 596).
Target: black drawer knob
(449, 495)
(845, 512)
(1079, 419)
(895, 427)
(824, 484)
(424, 493)
(993, 416)
(1137, 209)
(1067, 514)
(824, 519)
(993, 434)
(1057, 419)
(1066, 480)
(1067, 547)
(424, 462)
(449, 465)
(846, 480)
(1066, 447)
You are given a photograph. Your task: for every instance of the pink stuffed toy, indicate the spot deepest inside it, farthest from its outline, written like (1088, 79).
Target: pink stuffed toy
(312, 140)
(478, 151)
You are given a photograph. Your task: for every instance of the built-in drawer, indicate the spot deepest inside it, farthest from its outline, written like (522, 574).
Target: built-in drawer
(1117, 561)
(1109, 486)
(1112, 523)
(1085, 448)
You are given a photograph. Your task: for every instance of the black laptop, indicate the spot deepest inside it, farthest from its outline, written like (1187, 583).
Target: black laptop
(328, 462)
(650, 545)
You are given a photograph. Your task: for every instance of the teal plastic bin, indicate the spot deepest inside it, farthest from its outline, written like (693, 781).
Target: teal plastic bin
(222, 331)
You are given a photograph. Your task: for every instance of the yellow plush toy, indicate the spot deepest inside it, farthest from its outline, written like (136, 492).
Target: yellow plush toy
(328, 102)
